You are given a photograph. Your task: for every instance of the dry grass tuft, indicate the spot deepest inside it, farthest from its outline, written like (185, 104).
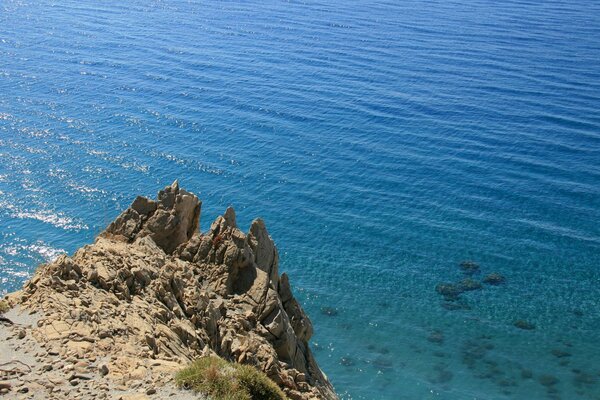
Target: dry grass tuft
(222, 380)
(4, 307)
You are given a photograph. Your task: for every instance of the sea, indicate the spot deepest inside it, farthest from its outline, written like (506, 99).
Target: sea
(384, 143)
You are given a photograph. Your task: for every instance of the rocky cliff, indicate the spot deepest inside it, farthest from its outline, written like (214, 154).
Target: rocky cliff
(152, 293)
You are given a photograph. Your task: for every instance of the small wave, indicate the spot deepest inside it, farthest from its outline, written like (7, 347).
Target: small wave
(556, 230)
(85, 189)
(189, 163)
(56, 219)
(49, 217)
(37, 250)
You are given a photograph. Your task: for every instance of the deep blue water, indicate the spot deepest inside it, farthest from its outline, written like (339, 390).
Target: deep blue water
(382, 142)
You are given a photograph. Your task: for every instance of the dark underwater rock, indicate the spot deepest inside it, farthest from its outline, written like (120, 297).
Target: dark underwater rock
(526, 374)
(450, 291)
(522, 324)
(436, 337)
(444, 376)
(548, 380)
(383, 363)
(583, 378)
(494, 279)
(469, 267)
(560, 353)
(329, 311)
(383, 350)
(466, 285)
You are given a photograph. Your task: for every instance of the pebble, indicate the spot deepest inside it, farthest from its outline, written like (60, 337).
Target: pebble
(150, 391)
(103, 370)
(81, 367)
(83, 377)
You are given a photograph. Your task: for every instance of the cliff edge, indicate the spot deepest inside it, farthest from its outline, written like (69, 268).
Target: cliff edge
(149, 296)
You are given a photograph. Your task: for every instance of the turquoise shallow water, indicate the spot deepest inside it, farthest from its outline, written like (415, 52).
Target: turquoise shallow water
(382, 142)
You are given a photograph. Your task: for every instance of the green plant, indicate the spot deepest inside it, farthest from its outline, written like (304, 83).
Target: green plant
(4, 307)
(258, 384)
(222, 380)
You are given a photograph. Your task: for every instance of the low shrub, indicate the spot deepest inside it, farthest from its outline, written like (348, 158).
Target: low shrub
(222, 380)
(4, 307)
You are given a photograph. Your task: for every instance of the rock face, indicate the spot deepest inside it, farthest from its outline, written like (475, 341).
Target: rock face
(169, 221)
(152, 294)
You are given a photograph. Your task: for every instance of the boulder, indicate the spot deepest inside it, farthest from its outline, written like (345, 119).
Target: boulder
(169, 221)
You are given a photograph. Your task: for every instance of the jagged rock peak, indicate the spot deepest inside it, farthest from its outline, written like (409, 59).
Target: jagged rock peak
(170, 220)
(152, 293)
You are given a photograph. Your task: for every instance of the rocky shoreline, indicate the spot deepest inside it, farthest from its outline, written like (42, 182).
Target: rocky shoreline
(122, 315)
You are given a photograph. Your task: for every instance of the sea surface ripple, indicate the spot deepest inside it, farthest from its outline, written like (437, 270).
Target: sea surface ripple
(383, 142)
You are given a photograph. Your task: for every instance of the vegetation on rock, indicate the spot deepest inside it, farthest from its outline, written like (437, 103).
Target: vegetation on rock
(222, 380)
(4, 307)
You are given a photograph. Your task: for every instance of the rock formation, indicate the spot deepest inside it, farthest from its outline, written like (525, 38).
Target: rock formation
(152, 293)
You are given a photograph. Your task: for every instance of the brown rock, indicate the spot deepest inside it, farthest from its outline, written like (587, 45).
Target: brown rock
(152, 293)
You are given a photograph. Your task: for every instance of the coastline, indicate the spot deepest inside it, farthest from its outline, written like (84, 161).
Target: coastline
(122, 315)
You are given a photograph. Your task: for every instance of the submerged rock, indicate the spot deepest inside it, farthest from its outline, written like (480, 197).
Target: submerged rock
(152, 293)
(548, 380)
(526, 374)
(329, 311)
(578, 313)
(383, 363)
(442, 375)
(584, 378)
(469, 267)
(522, 324)
(560, 353)
(450, 291)
(494, 279)
(469, 284)
(436, 337)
